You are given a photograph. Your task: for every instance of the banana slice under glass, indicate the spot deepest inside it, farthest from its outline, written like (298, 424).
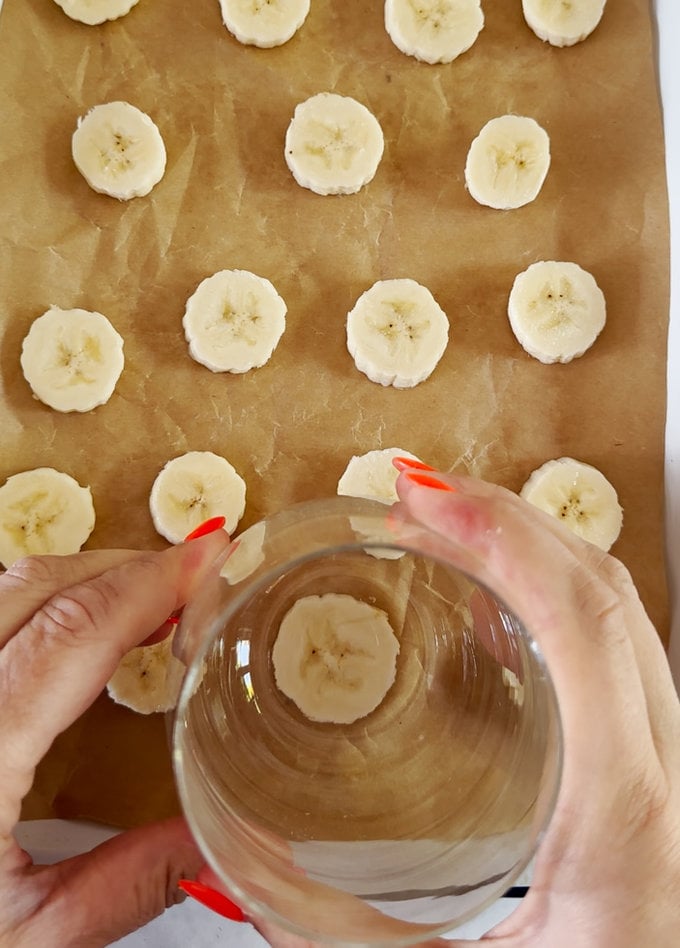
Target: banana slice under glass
(434, 31)
(335, 657)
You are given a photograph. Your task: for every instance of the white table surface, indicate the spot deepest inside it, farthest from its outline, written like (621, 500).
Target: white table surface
(192, 925)
(668, 20)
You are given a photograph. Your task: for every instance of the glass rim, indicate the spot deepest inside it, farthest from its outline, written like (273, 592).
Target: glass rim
(332, 508)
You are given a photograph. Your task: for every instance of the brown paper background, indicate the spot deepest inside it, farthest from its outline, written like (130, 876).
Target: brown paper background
(228, 201)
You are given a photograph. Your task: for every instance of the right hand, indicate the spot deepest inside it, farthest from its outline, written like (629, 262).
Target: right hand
(607, 874)
(608, 871)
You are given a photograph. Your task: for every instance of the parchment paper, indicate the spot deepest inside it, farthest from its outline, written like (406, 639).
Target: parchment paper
(228, 201)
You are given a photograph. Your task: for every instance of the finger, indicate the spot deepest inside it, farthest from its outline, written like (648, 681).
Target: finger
(329, 913)
(578, 623)
(278, 938)
(116, 888)
(162, 632)
(31, 581)
(62, 658)
(484, 615)
(588, 570)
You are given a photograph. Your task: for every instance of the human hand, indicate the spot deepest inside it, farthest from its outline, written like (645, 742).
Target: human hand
(65, 623)
(608, 870)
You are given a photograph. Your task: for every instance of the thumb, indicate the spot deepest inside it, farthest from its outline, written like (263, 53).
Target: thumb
(119, 886)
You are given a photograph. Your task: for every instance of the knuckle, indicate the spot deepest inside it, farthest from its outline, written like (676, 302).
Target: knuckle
(617, 575)
(75, 614)
(645, 798)
(602, 604)
(78, 613)
(30, 572)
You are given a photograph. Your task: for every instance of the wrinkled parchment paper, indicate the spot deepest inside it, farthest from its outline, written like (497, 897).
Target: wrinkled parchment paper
(228, 201)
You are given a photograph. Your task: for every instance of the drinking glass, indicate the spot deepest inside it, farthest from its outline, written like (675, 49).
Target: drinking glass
(413, 818)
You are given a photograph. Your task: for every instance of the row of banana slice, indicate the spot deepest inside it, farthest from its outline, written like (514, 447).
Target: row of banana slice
(120, 151)
(396, 332)
(334, 657)
(44, 511)
(434, 31)
(333, 145)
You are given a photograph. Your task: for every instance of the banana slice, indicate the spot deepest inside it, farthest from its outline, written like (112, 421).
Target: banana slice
(563, 23)
(264, 23)
(93, 12)
(335, 657)
(246, 555)
(119, 150)
(397, 333)
(372, 475)
(233, 321)
(192, 488)
(43, 511)
(333, 144)
(72, 359)
(434, 31)
(507, 163)
(556, 310)
(580, 496)
(148, 679)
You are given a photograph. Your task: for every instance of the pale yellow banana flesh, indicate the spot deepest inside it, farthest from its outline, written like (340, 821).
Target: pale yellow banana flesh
(579, 496)
(333, 144)
(335, 657)
(397, 333)
(563, 22)
(193, 488)
(264, 23)
(507, 162)
(43, 511)
(119, 150)
(72, 359)
(233, 321)
(556, 310)
(95, 12)
(148, 679)
(433, 31)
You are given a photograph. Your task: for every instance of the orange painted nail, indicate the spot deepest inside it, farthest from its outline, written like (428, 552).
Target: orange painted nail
(208, 526)
(424, 480)
(212, 899)
(402, 463)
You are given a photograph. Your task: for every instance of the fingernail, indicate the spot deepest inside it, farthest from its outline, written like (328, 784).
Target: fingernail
(424, 480)
(208, 526)
(403, 463)
(212, 899)
(173, 619)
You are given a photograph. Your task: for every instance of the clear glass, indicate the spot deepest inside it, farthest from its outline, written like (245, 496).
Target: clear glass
(408, 821)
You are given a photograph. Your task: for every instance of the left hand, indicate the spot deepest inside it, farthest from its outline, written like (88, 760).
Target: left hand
(65, 623)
